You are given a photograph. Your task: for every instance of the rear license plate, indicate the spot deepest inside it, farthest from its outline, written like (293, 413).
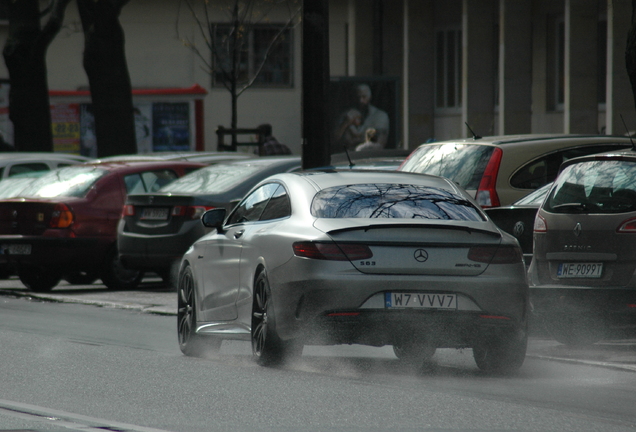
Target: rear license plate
(580, 270)
(16, 249)
(420, 300)
(155, 214)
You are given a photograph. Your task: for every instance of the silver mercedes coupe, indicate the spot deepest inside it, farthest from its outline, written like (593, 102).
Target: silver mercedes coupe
(356, 257)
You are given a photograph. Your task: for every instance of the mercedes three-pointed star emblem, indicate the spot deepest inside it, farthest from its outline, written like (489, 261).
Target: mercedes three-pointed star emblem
(420, 255)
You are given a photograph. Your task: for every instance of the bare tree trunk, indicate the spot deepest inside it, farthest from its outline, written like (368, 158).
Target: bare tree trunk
(25, 56)
(107, 70)
(630, 51)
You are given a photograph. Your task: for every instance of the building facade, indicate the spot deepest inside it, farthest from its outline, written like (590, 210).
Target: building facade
(437, 68)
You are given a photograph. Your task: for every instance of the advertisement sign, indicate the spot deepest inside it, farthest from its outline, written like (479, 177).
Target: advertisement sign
(65, 123)
(171, 126)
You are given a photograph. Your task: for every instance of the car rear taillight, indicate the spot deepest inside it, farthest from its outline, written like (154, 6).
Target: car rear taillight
(495, 254)
(191, 212)
(487, 191)
(62, 216)
(627, 227)
(128, 210)
(540, 225)
(332, 251)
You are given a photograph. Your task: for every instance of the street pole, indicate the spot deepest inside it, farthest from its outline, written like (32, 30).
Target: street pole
(315, 77)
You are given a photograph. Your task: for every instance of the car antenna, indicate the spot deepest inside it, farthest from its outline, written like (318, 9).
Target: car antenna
(475, 136)
(351, 164)
(628, 133)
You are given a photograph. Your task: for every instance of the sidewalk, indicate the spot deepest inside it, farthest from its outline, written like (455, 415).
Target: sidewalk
(153, 297)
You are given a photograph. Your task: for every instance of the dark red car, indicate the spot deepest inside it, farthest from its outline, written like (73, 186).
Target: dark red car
(64, 225)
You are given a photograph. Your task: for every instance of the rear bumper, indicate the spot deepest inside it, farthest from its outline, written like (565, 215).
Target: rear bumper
(441, 329)
(614, 306)
(60, 253)
(305, 299)
(151, 252)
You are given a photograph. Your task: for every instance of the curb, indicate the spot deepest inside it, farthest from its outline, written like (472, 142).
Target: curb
(607, 365)
(156, 309)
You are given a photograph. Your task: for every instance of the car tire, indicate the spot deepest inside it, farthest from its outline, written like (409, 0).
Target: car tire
(115, 276)
(575, 335)
(190, 343)
(267, 347)
(414, 352)
(38, 279)
(501, 354)
(81, 278)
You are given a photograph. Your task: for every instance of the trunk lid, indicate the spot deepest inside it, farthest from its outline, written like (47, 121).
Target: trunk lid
(25, 217)
(414, 249)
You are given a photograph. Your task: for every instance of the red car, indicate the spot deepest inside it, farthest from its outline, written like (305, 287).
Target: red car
(64, 225)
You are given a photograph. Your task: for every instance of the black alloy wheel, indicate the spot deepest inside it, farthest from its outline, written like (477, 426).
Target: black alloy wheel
(576, 333)
(190, 343)
(267, 347)
(503, 354)
(115, 276)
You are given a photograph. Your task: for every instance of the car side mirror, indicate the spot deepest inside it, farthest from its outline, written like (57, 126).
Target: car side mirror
(214, 218)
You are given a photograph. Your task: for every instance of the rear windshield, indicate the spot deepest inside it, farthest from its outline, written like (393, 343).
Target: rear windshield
(600, 186)
(73, 181)
(462, 163)
(392, 201)
(213, 179)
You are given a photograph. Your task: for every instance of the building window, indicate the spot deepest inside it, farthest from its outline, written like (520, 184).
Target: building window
(270, 61)
(448, 68)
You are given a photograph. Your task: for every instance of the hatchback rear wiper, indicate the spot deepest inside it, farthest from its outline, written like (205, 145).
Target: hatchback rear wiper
(580, 207)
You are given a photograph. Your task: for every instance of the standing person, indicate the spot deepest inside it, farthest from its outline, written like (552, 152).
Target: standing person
(270, 145)
(351, 129)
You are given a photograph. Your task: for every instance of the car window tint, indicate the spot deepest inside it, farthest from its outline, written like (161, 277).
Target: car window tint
(536, 197)
(74, 181)
(545, 169)
(149, 181)
(252, 206)
(278, 206)
(27, 167)
(602, 186)
(462, 163)
(213, 179)
(401, 201)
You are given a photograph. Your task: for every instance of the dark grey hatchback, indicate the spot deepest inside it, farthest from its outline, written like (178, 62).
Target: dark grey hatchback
(583, 273)
(157, 228)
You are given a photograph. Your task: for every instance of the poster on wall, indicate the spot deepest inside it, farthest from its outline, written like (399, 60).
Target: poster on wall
(143, 127)
(358, 104)
(88, 141)
(171, 126)
(65, 123)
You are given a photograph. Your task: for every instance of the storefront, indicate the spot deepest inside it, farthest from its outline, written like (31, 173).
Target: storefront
(169, 119)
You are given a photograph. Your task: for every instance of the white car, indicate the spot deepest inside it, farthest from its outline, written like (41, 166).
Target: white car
(366, 257)
(17, 163)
